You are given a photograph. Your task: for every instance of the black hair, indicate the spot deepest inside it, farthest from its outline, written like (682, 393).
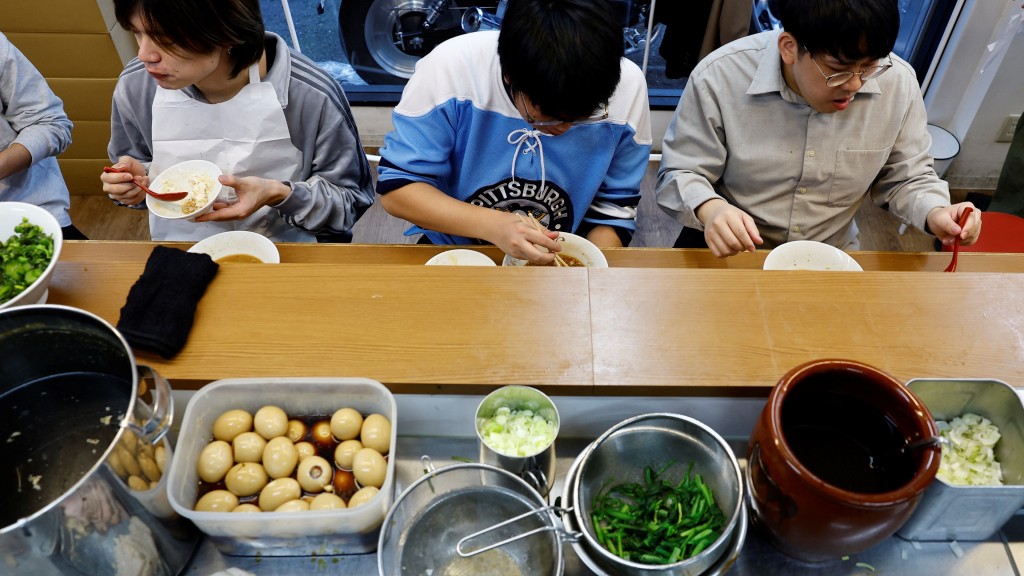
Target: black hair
(185, 27)
(845, 29)
(564, 55)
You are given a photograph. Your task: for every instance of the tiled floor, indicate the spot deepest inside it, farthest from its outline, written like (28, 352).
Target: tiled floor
(99, 219)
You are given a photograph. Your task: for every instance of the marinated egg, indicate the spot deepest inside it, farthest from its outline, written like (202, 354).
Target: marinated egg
(131, 465)
(363, 496)
(369, 467)
(278, 492)
(137, 483)
(217, 501)
(296, 430)
(248, 447)
(293, 506)
(280, 457)
(246, 479)
(344, 483)
(321, 434)
(115, 464)
(231, 424)
(214, 461)
(149, 468)
(129, 440)
(327, 501)
(314, 474)
(247, 507)
(270, 422)
(346, 423)
(305, 450)
(376, 433)
(160, 456)
(345, 452)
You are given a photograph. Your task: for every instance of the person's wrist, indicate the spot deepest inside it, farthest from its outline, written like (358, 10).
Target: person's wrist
(282, 192)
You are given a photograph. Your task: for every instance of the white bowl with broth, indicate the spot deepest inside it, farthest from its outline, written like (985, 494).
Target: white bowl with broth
(810, 255)
(238, 246)
(577, 251)
(198, 178)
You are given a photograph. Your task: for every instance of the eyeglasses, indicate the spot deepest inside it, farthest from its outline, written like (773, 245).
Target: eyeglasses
(840, 78)
(596, 117)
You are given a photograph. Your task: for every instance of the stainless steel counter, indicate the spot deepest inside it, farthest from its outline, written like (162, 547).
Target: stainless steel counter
(581, 423)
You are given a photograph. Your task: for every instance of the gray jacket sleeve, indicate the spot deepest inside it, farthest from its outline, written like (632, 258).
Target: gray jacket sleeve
(34, 116)
(335, 185)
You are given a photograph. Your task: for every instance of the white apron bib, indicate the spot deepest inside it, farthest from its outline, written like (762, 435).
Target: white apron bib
(245, 136)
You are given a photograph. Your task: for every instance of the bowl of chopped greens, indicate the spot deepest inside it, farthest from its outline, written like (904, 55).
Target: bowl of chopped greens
(658, 494)
(30, 242)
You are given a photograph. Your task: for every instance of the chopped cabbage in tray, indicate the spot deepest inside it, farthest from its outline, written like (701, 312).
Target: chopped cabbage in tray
(968, 457)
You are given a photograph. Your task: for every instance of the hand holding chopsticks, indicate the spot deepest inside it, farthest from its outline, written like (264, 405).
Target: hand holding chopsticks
(536, 226)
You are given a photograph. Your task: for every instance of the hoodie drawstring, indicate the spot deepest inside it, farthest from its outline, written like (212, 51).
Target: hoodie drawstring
(521, 137)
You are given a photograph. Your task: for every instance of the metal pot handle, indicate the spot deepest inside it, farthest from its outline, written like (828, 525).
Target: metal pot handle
(161, 412)
(563, 535)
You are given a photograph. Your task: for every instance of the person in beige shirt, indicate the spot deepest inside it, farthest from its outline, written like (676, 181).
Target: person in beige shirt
(779, 136)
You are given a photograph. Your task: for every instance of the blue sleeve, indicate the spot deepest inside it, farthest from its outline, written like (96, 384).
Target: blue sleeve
(419, 149)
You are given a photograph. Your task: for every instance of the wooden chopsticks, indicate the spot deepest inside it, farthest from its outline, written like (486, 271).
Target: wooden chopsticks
(536, 226)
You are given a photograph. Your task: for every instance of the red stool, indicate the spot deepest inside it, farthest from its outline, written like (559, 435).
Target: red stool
(1000, 232)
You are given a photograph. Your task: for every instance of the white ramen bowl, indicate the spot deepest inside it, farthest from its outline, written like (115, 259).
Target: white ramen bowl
(176, 179)
(11, 214)
(572, 245)
(238, 242)
(809, 255)
(460, 257)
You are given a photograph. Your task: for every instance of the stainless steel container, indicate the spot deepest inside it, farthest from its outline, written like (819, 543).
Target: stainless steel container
(538, 468)
(948, 512)
(654, 440)
(75, 433)
(450, 505)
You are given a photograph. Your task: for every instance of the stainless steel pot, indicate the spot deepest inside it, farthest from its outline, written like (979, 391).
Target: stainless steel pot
(81, 423)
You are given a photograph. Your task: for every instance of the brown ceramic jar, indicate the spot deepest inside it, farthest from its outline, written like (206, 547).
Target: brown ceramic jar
(826, 472)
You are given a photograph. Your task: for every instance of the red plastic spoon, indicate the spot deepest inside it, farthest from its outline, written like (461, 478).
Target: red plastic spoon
(956, 243)
(165, 196)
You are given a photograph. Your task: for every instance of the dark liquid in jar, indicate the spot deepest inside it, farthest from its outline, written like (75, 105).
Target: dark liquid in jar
(843, 440)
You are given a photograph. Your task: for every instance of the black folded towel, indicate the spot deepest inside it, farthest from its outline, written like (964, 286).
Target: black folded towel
(161, 305)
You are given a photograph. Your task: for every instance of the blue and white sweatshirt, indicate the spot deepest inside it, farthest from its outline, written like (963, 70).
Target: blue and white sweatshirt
(456, 129)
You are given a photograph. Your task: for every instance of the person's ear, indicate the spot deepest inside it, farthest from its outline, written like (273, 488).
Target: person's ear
(789, 48)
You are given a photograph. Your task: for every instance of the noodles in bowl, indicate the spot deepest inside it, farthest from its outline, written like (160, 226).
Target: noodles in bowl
(577, 251)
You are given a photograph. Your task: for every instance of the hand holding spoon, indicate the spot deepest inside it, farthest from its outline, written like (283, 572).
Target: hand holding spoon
(165, 196)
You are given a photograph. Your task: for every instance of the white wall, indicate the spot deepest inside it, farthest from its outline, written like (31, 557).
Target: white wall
(972, 102)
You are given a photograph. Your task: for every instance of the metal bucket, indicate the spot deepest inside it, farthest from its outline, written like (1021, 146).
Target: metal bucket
(75, 433)
(434, 514)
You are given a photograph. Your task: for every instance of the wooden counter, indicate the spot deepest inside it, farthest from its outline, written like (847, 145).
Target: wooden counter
(660, 321)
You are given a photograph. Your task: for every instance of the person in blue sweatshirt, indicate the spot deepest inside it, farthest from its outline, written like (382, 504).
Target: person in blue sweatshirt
(544, 119)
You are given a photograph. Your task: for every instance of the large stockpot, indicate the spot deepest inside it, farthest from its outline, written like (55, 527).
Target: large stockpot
(76, 428)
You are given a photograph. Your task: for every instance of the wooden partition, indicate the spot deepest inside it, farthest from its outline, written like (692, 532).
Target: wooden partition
(80, 50)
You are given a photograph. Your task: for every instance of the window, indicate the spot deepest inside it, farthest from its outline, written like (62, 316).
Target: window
(371, 46)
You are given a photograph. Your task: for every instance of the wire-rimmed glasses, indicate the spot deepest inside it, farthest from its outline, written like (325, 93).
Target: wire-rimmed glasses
(840, 78)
